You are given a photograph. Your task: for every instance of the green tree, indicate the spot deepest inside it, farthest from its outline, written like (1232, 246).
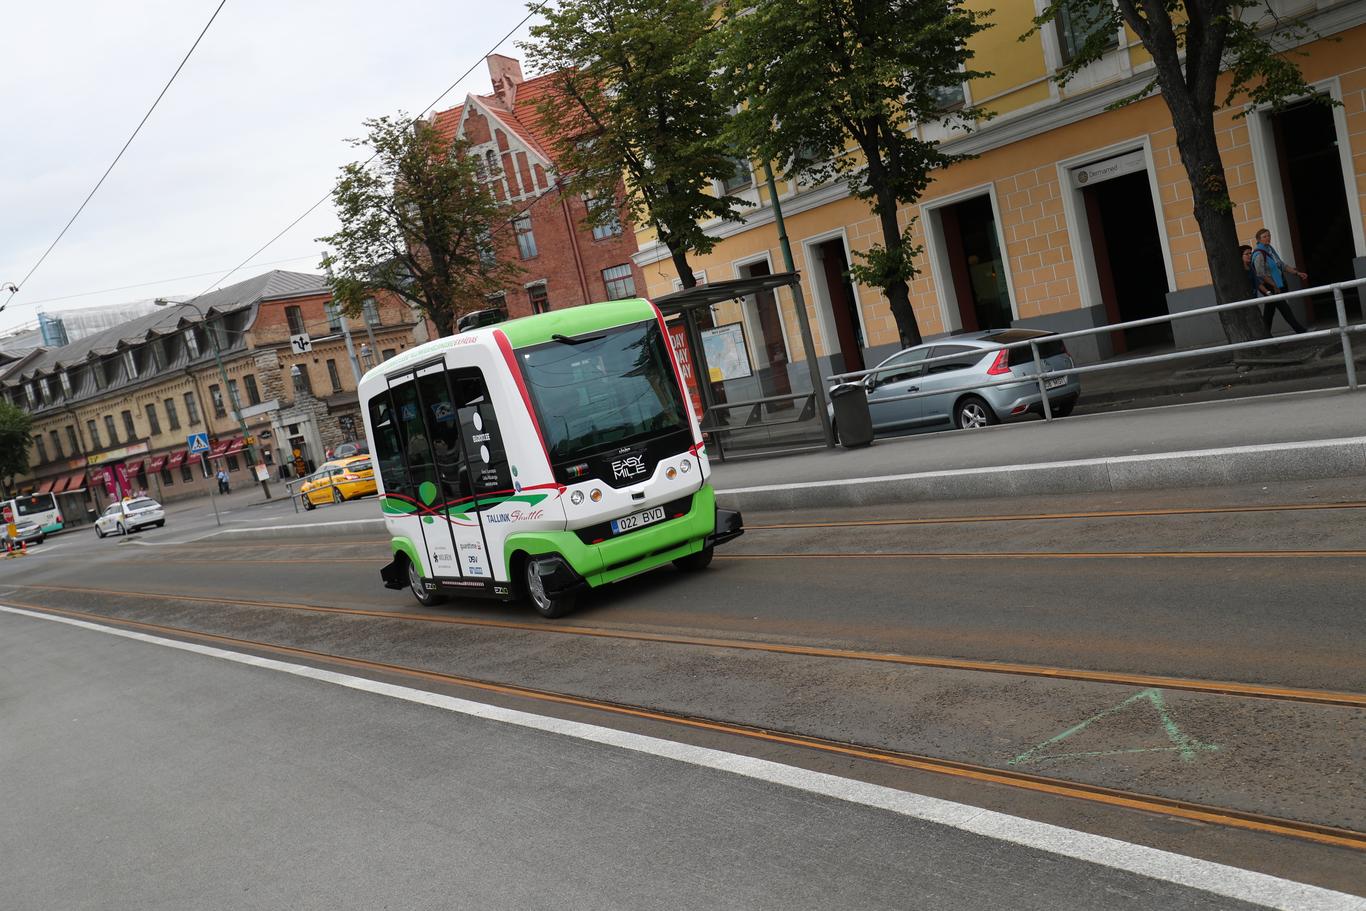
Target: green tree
(831, 88)
(636, 116)
(1191, 43)
(417, 219)
(15, 426)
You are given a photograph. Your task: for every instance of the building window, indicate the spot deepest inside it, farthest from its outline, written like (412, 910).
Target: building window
(128, 425)
(42, 450)
(388, 353)
(94, 433)
(253, 394)
(234, 396)
(191, 343)
(71, 438)
(619, 282)
(610, 225)
(1077, 23)
(950, 97)
(66, 383)
(32, 396)
(370, 311)
(741, 179)
(216, 397)
(46, 389)
(232, 462)
(191, 409)
(540, 300)
(167, 480)
(295, 317)
(171, 417)
(185, 474)
(526, 241)
(56, 439)
(334, 318)
(152, 420)
(130, 364)
(302, 381)
(333, 375)
(109, 429)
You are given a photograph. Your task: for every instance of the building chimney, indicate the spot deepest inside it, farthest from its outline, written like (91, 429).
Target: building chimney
(506, 75)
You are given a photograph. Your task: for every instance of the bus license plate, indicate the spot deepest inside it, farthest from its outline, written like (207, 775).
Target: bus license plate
(1055, 382)
(636, 520)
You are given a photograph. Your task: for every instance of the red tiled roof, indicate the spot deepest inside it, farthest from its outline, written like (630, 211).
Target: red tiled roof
(522, 118)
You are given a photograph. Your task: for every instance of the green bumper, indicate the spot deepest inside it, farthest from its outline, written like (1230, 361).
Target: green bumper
(636, 552)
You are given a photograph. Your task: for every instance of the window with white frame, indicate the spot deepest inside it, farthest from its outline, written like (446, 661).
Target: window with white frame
(609, 225)
(66, 382)
(370, 310)
(130, 363)
(539, 297)
(334, 317)
(191, 343)
(949, 97)
(741, 179)
(1079, 20)
(619, 282)
(526, 241)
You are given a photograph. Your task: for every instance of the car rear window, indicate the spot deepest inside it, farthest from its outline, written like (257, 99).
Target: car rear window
(142, 503)
(359, 466)
(1024, 355)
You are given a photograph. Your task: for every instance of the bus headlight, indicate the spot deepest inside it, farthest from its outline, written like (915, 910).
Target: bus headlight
(595, 495)
(686, 466)
(576, 497)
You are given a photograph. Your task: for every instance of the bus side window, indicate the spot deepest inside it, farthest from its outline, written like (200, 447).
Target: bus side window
(488, 463)
(412, 433)
(444, 431)
(388, 454)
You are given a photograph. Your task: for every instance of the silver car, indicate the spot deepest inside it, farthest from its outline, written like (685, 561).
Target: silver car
(983, 360)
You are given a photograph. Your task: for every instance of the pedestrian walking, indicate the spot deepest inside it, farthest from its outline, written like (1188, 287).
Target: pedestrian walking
(1256, 284)
(223, 480)
(1271, 269)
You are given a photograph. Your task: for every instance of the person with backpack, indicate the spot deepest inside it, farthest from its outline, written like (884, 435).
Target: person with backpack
(1271, 269)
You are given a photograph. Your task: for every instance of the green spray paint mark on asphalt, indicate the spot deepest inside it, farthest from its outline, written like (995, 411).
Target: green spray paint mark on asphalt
(1187, 747)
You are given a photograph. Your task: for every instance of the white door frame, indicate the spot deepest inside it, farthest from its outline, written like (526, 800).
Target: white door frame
(936, 249)
(749, 310)
(1078, 228)
(1267, 171)
(820, 292)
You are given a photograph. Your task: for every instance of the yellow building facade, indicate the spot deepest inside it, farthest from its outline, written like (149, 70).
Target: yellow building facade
(1071, 215)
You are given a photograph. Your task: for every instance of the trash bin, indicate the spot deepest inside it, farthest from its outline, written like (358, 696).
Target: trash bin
(852, 420)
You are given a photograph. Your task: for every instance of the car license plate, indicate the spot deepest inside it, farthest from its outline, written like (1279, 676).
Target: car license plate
(636, 520)
(1055, 382)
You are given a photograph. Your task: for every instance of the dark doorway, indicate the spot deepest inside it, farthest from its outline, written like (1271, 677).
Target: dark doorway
(1320, 240)
(773, 378)
(979, 278)
(840, 292)
(1128, 254)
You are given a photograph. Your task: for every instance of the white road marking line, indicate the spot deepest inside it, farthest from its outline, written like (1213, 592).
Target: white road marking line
(1194, 873)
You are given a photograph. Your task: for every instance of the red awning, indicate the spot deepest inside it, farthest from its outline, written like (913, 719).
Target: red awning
(97, 476)
(219, 448)
(157, 463)
(61, 483)
(46, 486)
(236, 446)
(132, 468)
(176, 458)
(73, 482)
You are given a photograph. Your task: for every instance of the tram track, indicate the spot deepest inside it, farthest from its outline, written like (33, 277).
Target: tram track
(982, 774)
(1194, 685)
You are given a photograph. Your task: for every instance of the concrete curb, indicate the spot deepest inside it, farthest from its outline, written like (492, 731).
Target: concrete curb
(1336, 458)
(351, 528)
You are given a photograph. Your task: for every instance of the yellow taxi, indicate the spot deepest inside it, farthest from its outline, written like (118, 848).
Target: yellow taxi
(339, 480)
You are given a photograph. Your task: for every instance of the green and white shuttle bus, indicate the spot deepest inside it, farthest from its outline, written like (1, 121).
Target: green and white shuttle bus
(541, 457)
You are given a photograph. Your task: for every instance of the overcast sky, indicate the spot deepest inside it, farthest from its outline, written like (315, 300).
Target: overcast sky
(251, 134)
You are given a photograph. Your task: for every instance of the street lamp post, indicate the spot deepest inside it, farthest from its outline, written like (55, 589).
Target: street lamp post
(227, 390)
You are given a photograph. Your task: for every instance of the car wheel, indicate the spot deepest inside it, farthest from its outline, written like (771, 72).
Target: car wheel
(308, 504)
(161, 524)
(99, 532)
(550, 606)
(1063, 409)
(696, 562)
(424, 597)
(972, 412)
(337, 495)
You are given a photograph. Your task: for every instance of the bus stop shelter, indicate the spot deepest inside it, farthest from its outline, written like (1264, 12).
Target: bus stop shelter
(781, 416)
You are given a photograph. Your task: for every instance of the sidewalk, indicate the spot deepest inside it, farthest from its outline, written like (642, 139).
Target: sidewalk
(1267, 438)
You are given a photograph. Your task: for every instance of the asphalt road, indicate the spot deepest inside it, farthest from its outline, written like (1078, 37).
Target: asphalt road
(1113, 593)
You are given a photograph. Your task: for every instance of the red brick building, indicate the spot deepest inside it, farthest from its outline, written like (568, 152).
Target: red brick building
(565, 263)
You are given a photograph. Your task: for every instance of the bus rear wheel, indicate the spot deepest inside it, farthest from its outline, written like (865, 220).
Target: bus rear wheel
(548, 604)
(424, 597)
(696, 562)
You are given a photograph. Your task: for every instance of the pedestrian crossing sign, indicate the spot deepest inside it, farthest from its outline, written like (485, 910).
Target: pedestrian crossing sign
(197, 443)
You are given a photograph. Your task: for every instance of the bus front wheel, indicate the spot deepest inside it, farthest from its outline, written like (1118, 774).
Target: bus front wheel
(424, 597)
(548, 604)
(696, 562)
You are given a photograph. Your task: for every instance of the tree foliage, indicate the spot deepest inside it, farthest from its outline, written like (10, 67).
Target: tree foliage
(15, 426)
(417, 219)
(1193, 42)
(835, 88)
(636, 115)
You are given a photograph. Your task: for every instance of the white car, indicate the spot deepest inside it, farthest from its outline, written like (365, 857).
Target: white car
(130, 515)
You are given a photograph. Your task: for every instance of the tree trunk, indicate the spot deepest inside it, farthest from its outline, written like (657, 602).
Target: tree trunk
(897, 291)
(1199, 150)
(680, 258)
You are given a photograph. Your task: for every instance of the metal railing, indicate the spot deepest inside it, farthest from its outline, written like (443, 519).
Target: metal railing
(1342, 330)
(755, 420)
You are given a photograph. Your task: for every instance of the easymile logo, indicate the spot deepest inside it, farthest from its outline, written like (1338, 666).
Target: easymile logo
(628, 467)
